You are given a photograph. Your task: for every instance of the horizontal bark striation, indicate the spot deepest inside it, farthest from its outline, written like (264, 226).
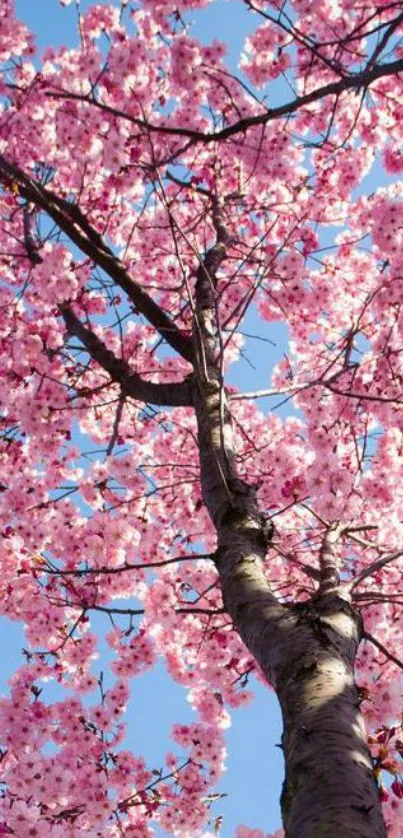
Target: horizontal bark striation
(306, 650)
(329, 789)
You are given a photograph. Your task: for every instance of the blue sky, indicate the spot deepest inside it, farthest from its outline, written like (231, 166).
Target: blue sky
(254, 768)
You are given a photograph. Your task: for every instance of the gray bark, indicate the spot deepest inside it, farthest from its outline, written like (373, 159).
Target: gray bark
(329, 790)
(306, 650)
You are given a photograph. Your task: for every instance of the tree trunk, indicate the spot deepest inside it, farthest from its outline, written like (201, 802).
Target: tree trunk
(305, 650)
(329, 789)
(307, 653)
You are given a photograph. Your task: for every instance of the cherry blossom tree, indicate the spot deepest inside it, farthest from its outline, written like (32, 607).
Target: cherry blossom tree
(151, 196)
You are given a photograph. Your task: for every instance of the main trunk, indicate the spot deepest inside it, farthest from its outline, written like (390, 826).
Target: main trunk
(306, 650)
(307, 653)
(329, 789)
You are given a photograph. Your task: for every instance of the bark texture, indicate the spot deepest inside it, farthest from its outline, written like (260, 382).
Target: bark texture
(329, 789)
(306, 650)
(307, 653)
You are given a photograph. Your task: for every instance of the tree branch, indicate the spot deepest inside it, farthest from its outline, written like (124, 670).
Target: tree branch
(172, 394)
(100, 571)
(372, 568)
(388, 655)
(354, 82)
(71, 220)
(329, 559)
